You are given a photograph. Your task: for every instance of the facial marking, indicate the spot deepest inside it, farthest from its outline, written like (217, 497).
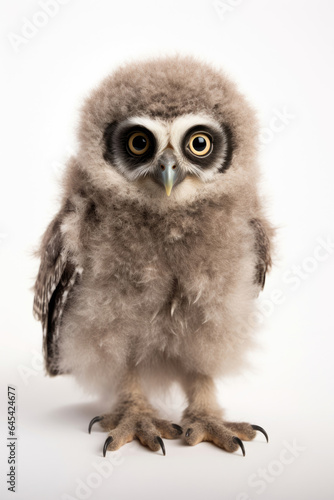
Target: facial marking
(199, 143)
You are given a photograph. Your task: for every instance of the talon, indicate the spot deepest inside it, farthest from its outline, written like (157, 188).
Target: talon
(240, 443)
(92, 422)
(178, 428)
(189, 431)
(160, 441)
(261, 429)
(106, 444)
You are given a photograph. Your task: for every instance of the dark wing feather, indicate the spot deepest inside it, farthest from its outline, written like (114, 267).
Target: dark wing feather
(263, 251)
(56, 277)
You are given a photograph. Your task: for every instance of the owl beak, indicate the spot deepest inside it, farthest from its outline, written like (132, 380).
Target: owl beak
(168, 170)
(168, 177)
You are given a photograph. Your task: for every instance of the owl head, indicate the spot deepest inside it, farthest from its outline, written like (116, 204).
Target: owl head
(167, 130)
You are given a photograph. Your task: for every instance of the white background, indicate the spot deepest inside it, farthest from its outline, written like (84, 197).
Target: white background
(281, 54)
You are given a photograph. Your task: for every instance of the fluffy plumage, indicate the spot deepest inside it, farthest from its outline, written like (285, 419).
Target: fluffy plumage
(135, 285)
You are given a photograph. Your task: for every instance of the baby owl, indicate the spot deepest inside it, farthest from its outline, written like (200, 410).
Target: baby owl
(150, 270)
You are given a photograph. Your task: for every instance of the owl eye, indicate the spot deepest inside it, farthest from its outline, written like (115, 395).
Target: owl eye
(138, 143)
(200, 144)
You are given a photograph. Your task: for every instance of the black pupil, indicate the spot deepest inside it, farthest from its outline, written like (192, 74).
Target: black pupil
(199, 143)
(139, 142)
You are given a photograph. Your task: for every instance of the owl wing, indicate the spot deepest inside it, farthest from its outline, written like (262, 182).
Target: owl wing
(263, 251)
(56, 278)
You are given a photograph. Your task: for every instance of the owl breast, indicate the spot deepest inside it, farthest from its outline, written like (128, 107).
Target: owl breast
(161, 286)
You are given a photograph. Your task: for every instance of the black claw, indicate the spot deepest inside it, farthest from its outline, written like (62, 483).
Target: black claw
(92, 422)
(261, 429)
(240, 443)
(106, 444)
(178, 428)
(189, 431)
(160, 441)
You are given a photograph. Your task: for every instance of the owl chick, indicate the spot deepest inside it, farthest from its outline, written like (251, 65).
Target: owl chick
(150, 270)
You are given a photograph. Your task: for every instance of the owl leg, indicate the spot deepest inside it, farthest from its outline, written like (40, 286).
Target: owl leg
(203, 418)
(134, 418)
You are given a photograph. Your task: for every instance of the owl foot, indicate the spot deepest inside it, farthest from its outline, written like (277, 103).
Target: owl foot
(133, 421)
(225, 435)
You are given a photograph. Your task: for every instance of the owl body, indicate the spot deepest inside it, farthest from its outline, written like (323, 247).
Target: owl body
(163, 289)
(150, 270)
